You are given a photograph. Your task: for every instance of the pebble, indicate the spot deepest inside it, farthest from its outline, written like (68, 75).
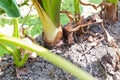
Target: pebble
(1, 73)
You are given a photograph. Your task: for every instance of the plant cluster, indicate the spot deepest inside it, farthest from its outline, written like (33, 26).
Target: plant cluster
(54, 33)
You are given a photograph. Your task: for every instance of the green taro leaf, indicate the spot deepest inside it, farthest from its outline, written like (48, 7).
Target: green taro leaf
(95, 1)
(10, 7)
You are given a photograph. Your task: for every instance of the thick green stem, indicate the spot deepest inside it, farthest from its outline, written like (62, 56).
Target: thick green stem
(52, 9)
(52, 31)
(16, 28)
(77, 10)
(16, 34)
(53, 58)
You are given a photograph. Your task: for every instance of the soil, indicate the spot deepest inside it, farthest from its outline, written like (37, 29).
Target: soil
(101, 60)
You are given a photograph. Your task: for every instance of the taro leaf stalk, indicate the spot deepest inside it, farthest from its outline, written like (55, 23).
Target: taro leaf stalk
(16, 32)
(111, 12)
(49, 12)
(77, 10)
(11, 9)
(53, 58)
(19, 59)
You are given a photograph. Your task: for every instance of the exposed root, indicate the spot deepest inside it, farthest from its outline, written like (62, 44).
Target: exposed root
(69, 14)
(110, 39)
(73, 28)
(82, 26)
(88, 4)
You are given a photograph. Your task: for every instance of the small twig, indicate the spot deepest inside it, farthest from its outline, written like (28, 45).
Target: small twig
(27, 15)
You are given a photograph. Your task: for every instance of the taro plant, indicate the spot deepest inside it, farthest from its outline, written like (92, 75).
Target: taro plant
(109, 9)
(12, 9)
(49, 12)
(14, 44)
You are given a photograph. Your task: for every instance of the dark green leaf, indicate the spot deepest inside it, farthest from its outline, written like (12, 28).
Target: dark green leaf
(10, 7)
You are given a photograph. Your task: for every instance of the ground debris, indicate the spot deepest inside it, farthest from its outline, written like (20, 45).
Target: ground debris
(101, 61)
